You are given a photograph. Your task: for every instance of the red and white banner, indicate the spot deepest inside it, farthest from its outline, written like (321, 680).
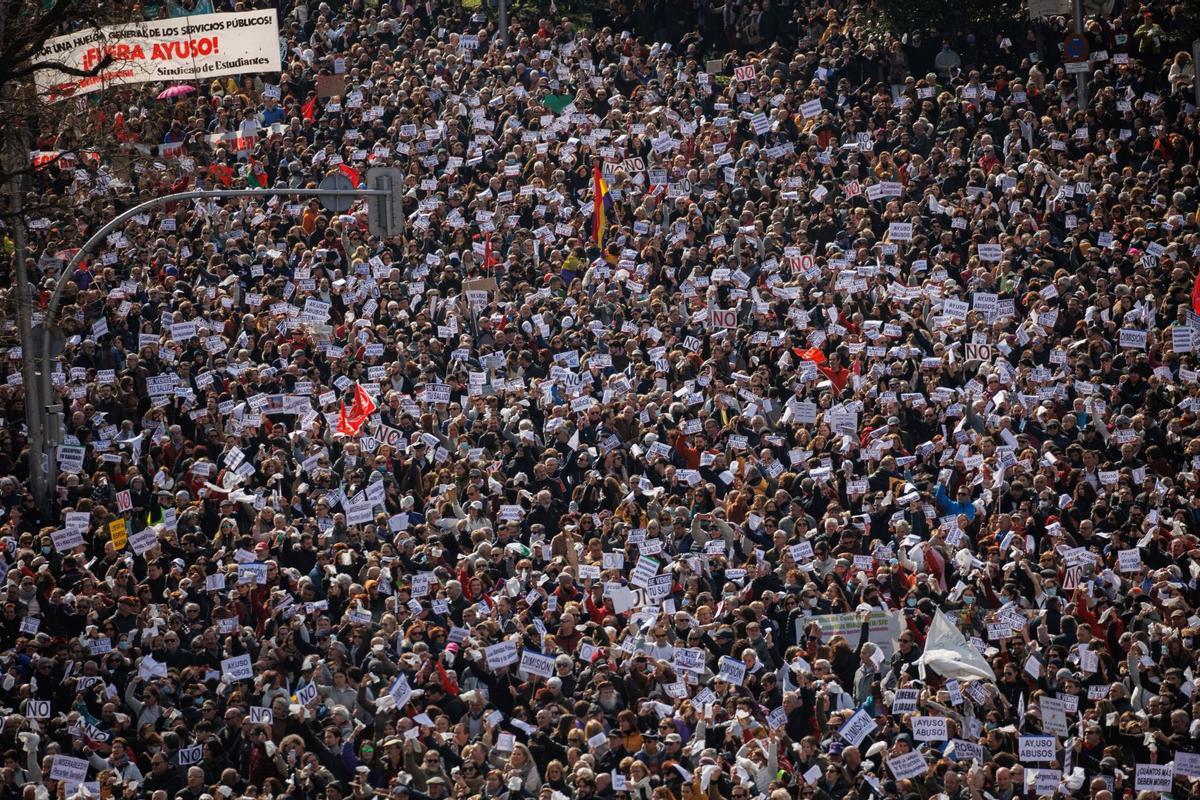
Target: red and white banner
(183, 49)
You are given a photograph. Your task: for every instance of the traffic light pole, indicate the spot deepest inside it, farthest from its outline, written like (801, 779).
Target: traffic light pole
(384, 213)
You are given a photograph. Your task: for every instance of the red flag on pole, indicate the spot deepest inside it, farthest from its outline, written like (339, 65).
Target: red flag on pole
(223, 173)
(351, 173)
(364, 405)
(350, 421)
(1196, 295)
(811, 354)
(309, 109)
(344, 425)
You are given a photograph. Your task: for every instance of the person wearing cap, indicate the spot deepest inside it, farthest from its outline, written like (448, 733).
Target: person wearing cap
(625, 382)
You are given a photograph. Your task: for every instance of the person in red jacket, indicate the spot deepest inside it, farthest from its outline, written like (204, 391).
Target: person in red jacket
(688, 454)
(833, 369)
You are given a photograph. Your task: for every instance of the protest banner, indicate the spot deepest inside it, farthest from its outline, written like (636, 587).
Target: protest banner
(883, 628)
(184, 49)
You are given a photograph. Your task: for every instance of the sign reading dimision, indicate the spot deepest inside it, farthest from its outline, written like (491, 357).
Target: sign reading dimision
(183, 49)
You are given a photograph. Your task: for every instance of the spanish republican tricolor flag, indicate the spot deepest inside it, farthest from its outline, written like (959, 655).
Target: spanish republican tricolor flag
(600, 205)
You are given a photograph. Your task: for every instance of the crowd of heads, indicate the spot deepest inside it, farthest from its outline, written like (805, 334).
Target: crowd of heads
(757, 403)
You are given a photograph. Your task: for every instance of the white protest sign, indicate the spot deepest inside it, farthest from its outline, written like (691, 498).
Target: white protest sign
(71, 771)
(1187, 764)
(1035, 749)
(1153, 778)
(38, 709)
(1054, 716)
(732, 670)
(930, 729)
(1129, 560)
(857, 728)
(143, 540)
(535, 663)
(909, 765)
(722, 317)
(400, 691)
(974, 351)
(744, 73)
(905, 700)
(306, 693)
(500, 655)
(189, 756)
(65, 540)
(883, 627)
(238, 668)
(966, 751)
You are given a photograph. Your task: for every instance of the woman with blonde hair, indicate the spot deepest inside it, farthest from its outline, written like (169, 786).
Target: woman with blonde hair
(521, 765)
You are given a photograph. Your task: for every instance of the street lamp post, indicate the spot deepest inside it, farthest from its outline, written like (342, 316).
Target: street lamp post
(29, 355)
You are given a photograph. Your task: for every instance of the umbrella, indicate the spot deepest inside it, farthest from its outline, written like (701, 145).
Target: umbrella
(176, 91)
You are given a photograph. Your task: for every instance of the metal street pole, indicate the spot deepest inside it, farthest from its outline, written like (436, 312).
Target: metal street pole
(1081, 78)
(29, 360)
(504, 22)
(1196, 69)
(49, 322)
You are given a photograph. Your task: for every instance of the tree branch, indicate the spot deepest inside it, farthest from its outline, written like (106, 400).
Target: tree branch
(27, 71)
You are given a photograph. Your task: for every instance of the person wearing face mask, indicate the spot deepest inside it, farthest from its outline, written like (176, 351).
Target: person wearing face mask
(970, 614)
(904, 660)
(811, 604)
(1008, 594)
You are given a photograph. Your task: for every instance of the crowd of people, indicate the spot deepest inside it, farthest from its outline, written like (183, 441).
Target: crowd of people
(784, 408)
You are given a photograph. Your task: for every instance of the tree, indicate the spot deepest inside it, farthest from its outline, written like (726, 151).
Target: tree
(25, 28)
(908, 16)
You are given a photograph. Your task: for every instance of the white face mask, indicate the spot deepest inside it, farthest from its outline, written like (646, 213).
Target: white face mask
(812, 602)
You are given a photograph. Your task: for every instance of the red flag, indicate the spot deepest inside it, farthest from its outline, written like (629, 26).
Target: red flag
(350, 421)
(351, 173)
(364, 405)
(309, 109)
(489, 258)
(223, 173)
(449, 685)
(1196, 294)
(811, 354)
(345, 426)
